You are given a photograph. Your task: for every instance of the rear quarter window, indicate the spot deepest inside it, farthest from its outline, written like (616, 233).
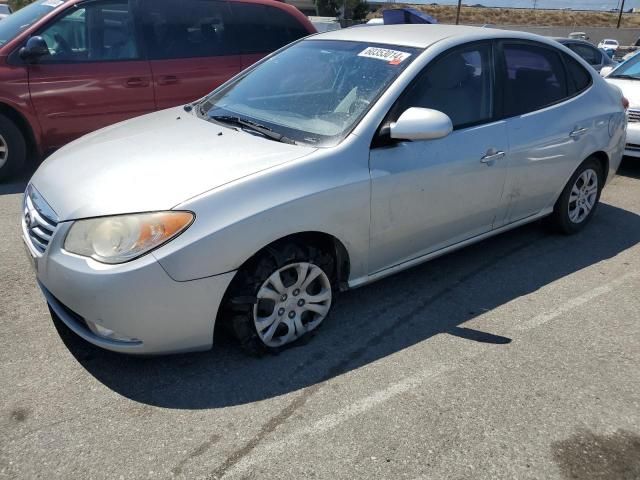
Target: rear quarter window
(579, 78)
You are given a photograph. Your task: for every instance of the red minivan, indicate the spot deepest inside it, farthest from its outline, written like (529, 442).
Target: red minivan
(68, 67)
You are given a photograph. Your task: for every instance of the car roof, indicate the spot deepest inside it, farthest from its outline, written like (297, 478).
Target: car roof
(416, 35)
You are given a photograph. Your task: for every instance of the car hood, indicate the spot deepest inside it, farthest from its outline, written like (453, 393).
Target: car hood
(151, 163)
(630, 89)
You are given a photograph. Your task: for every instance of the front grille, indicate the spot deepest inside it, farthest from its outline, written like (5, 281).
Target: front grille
(634, 115)
(39, 221)
(632, 146)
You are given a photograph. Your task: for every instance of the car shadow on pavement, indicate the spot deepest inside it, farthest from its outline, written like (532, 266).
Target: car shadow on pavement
(372, 322)
(18, 183)
(15, 185)
(630, 167)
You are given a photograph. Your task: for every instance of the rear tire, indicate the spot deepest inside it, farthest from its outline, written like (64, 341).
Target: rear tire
(13, 148)
(280, 297)
(579, 199)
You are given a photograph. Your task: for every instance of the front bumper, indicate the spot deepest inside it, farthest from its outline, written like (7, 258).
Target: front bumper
(137, 300)
(632, 147)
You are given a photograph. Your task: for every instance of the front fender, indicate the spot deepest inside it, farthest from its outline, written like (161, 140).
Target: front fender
(328, 192)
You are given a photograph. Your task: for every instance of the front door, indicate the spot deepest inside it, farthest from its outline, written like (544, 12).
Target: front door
(427, 195)
(94, 75)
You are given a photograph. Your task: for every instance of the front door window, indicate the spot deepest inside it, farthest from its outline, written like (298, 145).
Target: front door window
(93, 33)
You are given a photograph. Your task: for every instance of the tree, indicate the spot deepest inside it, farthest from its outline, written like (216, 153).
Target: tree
(359, 9)
(327, 8)
(18, 4)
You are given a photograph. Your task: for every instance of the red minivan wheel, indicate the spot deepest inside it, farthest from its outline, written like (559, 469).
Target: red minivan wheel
(13, 149)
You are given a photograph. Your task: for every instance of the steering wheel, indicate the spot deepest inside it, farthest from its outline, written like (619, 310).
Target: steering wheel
(63, 45)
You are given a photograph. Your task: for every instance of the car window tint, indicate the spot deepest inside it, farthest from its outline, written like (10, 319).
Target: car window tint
(459, 84)
(535, 78)
(187, 29)
(101, 31)
(591, 55)
(262, 28)
(579, 77)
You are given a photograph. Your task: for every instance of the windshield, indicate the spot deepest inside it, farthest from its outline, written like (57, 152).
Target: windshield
(4, 9)
(313, 92)
(24, 18)
(629, 69)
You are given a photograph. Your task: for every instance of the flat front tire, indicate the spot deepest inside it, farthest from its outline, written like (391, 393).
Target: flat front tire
(13, 148)
(579, 199)
(280, 297)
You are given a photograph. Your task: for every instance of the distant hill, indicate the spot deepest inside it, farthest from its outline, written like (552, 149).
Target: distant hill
(519, 16)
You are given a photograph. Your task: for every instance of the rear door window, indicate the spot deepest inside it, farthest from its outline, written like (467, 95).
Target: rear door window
(535, 78)
(187, 29)
(262, 28)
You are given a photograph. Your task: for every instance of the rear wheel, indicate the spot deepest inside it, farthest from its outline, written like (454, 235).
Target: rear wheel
(579, 199)
(13, 149)
(280, 297)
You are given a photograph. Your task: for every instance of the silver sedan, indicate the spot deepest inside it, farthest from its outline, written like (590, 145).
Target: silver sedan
(339, 160)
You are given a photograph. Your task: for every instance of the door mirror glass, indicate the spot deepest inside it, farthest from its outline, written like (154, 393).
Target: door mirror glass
(421, 124)
(606, 71)
(35, 48)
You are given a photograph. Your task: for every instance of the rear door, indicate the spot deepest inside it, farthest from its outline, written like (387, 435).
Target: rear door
(95, 74)
(191, 46)
(549, 121)
(262, 29)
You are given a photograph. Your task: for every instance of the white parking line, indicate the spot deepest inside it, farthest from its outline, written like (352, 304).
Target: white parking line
(577, 302)
(268, 450)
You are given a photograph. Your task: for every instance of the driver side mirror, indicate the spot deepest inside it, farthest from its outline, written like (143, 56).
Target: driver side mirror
(604, 71)
(35, 48)
(421, 124)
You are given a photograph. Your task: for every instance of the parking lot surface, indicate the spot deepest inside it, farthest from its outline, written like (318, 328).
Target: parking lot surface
(515, 358)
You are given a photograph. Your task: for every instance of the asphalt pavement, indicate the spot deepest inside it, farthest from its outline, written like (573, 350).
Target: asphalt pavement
(516, 358)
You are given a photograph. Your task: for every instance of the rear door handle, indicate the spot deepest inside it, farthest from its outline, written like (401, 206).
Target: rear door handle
(168, 80)
(137, 82)
(492, 156)
(578, 132)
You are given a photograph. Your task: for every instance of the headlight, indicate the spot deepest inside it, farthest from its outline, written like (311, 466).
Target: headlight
(122, 238)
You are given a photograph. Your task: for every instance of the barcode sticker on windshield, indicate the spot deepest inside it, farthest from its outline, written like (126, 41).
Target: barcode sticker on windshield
(394, 57)
(53, 3)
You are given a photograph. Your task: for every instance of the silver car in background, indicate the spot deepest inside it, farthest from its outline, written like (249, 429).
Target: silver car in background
(339, 160)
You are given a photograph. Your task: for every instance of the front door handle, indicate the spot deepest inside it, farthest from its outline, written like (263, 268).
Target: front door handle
(492, 155)
(578, 132)
(137, 82)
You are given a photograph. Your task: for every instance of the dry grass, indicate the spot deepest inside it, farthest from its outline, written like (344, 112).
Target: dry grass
(516, 16)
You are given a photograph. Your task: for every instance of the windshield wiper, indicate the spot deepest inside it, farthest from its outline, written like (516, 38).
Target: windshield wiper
(627, 77)
(256, 127)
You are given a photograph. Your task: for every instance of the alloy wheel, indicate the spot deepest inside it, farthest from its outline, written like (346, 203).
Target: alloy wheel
(4, 151)
(584, 195)
(294, 300)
